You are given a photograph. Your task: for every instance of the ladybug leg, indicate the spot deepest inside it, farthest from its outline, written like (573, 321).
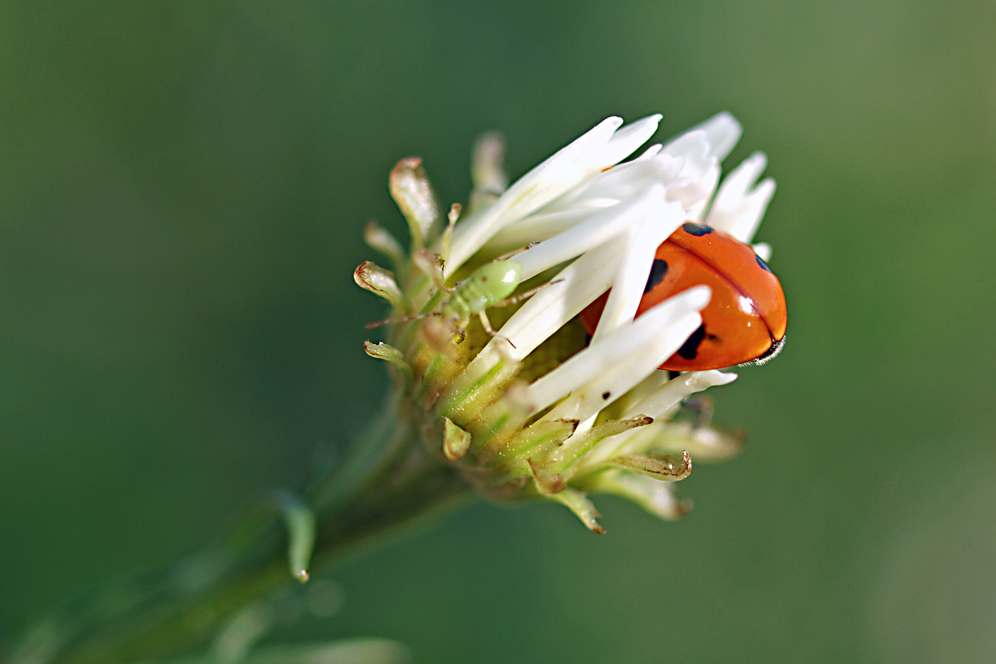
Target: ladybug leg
(701, 407)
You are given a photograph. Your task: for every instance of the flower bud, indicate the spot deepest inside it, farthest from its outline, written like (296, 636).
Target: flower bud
(493, 368)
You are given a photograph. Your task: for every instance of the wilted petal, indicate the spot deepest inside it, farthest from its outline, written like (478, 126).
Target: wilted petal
(487, 170)
(379, 281)
(413, 193)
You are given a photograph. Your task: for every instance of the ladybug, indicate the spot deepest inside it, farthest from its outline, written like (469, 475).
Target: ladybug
(745, 320)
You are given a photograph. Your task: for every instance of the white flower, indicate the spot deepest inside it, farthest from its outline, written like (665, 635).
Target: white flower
(581, 223)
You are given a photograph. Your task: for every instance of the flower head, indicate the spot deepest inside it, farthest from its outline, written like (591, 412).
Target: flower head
(493, 367)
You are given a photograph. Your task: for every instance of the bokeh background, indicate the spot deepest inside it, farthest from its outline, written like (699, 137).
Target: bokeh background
(182, 192)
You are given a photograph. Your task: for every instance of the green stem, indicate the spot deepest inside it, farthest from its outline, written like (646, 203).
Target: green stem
(389, 481)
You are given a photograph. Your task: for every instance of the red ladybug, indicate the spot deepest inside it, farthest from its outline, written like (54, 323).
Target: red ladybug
(745, 320)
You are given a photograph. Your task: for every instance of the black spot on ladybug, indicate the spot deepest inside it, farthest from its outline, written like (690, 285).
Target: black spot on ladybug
(690, 348)
(657, 272)
(764, 266)
(606, 395)
(697, 230)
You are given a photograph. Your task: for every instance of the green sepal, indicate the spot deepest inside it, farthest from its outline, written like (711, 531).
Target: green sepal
(388, 353)
(562, 459)
(541, 437)
(300, 523)
(662, 467)
(583, 508)
(468, 396)
(654, 496)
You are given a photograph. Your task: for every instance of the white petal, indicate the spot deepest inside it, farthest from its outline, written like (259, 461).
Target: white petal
(602, 147)
(617, 378)
(642, 390)
(606, 189)
(618, 183)
(753, 211)
(763, 249)
(739, 205)
(699, 175)
(573, 289)
(606, 370)
(694, 194)
(631, 278)
(703, 147)
(650, 152)
(536, 228)
(596, 230)
(693, 148)
(672, 393)
(625, 141)
(565, 169)
(722, 132)
(621, 182)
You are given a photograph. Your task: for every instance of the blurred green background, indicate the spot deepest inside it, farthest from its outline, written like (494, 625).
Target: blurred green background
(182, 192)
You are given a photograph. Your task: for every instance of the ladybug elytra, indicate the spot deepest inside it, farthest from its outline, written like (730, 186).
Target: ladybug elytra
(745, 320)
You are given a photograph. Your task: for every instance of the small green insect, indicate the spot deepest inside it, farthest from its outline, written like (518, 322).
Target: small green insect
(491, 285)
